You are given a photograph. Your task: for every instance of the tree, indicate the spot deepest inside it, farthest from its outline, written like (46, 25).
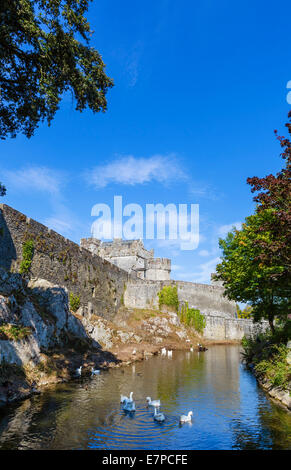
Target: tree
(2, 190)
(275, 195)
(256, 261)
(44, 52)
(248, 279)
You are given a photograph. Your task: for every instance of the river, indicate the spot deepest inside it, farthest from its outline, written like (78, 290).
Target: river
(230, 411)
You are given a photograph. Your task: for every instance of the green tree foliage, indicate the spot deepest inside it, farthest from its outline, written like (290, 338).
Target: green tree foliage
(245, 313)
(192, 317)
(169, 296)
(274, 195)
(44, 52)
(256, 261)
(246, 278)
(2, 190)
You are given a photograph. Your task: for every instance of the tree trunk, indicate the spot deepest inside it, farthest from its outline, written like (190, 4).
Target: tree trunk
(271, 319)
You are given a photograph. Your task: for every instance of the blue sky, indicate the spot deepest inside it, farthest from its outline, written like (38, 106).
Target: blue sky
(199, 89)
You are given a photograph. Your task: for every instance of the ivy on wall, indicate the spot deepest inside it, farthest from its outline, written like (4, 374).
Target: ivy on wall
(192, 317)
(27, 255)
(169, 296)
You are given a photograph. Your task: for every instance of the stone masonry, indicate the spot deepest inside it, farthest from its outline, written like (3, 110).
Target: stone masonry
(131, 256)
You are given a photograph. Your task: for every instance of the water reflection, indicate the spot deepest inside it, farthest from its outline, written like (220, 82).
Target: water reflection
(229, 410)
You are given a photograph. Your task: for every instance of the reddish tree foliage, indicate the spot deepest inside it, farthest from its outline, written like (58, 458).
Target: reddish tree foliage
(274, 194)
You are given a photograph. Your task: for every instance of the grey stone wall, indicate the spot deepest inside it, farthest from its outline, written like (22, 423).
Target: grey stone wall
(132, 256)
(219, 312)
(221, 328)
(207, 298)
(99, 284)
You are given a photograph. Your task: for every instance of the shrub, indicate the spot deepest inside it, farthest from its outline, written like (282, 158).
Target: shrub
(169, 296)
(192, 317)
(74, 302)
(13, 332)
(27, 255)
(268, 354)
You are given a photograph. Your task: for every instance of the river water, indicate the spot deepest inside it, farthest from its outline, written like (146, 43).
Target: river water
(230, 411)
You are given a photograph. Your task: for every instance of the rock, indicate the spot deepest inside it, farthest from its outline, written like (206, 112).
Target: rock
(53, 298)
(5, 314)
(20, 352)
(10, 282)
(174, 319)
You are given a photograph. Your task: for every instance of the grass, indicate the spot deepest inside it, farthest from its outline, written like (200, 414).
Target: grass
(74, 302)
(12, 332)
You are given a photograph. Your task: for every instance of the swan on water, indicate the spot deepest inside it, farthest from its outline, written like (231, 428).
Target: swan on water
(186, 418)
(170, 353)
(124, 398)
(155, 403)
(160, 417)
(95, 371)
(163, 351)
(129, 405)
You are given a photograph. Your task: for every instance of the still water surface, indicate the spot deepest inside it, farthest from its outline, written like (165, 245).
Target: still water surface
(230, 411)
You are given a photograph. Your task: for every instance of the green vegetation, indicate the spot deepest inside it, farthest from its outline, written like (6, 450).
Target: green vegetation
(13, 332)
(27, 255)
(245, 313)
(47, 53)
(256, 259)
(255, 269)
(169, 296)
(192, 317)
(74, 302)
(268, 353)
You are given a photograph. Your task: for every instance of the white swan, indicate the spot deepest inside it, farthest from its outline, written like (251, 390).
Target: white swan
(129, 404)
(124, 399)
(95, 371)
(155, 403)
(79, 371)
(186, 418)
(170, 353)
(160, 417)
(163, 351)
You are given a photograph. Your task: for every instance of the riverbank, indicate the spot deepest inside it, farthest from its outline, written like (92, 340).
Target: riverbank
(43, 341)
(269, 358)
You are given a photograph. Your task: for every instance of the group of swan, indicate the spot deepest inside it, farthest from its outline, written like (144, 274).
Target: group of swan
(93, 371)
(129, 405)
(164, 352)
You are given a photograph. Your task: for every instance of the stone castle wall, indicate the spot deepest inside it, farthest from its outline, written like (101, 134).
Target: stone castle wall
(98, 283)
(207, 298)
(219, 312)
(102, 286)
(132, 256)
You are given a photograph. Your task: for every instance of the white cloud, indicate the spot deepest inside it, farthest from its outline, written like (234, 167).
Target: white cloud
(203, 253)
(224, 229)
(34, 178)
(130, 171)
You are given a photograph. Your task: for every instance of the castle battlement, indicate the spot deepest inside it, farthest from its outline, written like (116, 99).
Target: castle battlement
(130, 255)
